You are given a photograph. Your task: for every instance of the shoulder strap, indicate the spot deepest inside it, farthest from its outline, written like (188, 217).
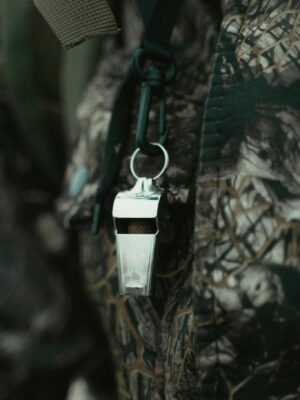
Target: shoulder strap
(75, 21)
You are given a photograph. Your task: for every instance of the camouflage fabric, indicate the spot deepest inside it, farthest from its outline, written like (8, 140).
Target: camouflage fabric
(246, 271)
(223, 321)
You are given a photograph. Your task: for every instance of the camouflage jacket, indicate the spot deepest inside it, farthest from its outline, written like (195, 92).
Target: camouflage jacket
(223, 320)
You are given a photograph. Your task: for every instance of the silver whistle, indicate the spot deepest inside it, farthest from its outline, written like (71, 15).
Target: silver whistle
(136, 221)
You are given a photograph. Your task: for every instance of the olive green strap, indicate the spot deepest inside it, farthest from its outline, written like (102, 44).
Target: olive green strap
(77, 20)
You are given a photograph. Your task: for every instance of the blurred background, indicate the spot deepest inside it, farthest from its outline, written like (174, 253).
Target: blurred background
(51, 343)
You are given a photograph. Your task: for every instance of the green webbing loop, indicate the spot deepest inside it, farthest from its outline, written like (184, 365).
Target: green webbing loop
(146, 9)
(159, 17)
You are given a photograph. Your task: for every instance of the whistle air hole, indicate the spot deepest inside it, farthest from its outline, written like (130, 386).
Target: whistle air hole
(136, 225)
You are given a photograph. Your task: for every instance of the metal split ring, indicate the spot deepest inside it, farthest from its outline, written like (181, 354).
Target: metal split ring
(166, 163)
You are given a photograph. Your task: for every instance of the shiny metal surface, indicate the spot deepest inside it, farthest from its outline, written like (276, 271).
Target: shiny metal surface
(140, 202)
(135, 215)
(136, 253)
(165, 166)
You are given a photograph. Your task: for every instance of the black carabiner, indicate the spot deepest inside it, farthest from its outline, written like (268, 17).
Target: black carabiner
(143, 121)
(154, 78)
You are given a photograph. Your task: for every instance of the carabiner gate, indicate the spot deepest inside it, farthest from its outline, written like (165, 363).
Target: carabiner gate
(143, 121)
(154, 79)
